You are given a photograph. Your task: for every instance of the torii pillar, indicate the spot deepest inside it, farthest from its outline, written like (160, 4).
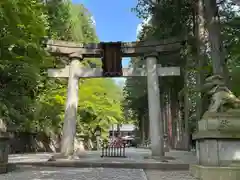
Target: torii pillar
(155, 118)
(71, 107)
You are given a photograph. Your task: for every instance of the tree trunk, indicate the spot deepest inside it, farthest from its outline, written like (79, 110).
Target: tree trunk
(169, 119)
(143, 136)
(179, 81)
(186, 109)
(118, 130)
(214, 33)
(163, 110)
(178, 126)
(3, 127)
(201, 40)
(146, 124)
(174, 113)
(164, 117)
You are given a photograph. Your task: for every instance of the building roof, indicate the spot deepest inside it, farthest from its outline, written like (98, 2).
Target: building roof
(123, 127)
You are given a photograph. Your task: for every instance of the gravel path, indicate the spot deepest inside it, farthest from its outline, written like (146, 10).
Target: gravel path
(136, 154)
(168, 175)
(41, 173)
(47, 173)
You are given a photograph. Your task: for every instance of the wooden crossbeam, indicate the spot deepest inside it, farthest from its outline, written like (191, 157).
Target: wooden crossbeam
(128, 49)
(83, 72)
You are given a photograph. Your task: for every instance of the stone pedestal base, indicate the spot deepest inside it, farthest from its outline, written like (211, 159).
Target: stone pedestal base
(215, 173)
(217, 152)
(217, 147)
(4, 149)
(166, 149)
(218, 141)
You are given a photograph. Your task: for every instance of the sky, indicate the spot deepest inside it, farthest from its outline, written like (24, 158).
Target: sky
(114, 20)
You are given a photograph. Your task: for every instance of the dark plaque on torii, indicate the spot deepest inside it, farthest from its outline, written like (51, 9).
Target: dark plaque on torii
(111, 59)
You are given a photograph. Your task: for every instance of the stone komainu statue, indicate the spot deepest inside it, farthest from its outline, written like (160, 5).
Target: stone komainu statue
(222, 99)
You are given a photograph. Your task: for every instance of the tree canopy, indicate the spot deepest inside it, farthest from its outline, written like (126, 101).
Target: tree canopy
(32, 102)
(197, 58)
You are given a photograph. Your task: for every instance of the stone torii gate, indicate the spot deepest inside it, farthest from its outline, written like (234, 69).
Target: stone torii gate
(111, 54)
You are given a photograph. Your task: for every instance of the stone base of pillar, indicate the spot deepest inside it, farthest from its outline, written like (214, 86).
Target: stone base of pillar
(4, 150)
(166, 147)
(79, 152)
(79, 149)
(215, 173)
(217, 148)
(60, 156)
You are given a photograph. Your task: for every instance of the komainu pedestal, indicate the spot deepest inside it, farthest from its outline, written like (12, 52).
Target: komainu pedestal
(218, 148)
(218, 136)
(218, 140)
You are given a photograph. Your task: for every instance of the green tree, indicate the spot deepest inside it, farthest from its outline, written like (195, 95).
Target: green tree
(174, 19)
(22, 25)
(100, 104)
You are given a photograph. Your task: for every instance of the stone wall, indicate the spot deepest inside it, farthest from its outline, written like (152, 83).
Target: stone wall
(25, 142)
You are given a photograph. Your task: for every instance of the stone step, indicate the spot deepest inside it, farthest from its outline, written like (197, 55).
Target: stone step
(168, 166)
